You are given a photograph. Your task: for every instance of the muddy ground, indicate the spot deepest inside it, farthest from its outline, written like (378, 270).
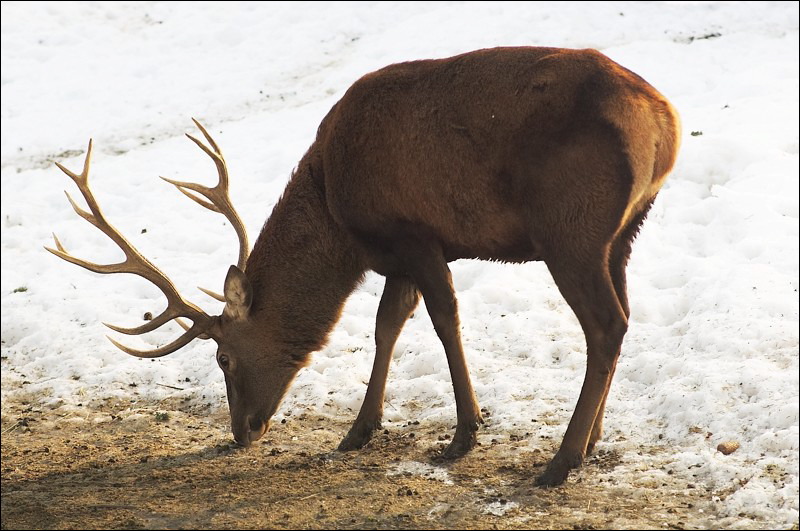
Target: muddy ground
(129, 465)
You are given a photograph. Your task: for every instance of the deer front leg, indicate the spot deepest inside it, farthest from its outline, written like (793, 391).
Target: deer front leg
(400, 297)
(428, 267)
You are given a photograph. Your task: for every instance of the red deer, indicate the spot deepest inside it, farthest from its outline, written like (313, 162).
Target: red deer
(510, 154)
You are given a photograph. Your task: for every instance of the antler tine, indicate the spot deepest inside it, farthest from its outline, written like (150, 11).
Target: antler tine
(218, 196)
(180, 185)
(134, 263)
(165, 317)
(193, 332)
(212, 294)
(208, 137)
(84, 176)
(58, 244)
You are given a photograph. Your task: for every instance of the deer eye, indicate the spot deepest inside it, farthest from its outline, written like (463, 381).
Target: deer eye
(223, 361)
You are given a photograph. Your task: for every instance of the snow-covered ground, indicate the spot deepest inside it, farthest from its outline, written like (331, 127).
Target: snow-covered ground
(713, 343)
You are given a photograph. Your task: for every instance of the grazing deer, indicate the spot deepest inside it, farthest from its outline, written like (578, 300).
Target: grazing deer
(511, 154)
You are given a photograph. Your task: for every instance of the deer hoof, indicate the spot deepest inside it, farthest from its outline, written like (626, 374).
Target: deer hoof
(590, 448)
(463, 441)
(558, 470)
(358, 436)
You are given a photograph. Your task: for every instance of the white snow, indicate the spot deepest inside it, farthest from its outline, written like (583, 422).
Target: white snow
(713, 342)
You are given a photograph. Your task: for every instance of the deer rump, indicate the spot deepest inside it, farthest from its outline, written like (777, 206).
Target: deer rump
(498, 154)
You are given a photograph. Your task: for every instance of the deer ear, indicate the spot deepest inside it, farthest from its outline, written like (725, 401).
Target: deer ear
(238, 294)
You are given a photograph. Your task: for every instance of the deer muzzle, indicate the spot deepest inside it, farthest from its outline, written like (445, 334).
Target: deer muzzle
(250, 431)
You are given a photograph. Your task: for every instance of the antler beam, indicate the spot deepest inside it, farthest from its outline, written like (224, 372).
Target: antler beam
(136, 264)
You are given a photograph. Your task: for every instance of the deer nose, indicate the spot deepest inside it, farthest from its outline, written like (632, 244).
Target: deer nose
(258, 428)
(253, 430)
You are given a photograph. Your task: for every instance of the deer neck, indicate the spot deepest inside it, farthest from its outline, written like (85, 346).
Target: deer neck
(302, 268)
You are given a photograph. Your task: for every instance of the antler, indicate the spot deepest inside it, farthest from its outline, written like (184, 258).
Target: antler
(138, 265)
(218, 198)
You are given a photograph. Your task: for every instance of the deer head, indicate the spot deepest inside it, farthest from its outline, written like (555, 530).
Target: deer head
(243, 352)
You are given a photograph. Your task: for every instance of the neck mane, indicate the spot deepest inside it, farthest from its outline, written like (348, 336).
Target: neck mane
(303, 266)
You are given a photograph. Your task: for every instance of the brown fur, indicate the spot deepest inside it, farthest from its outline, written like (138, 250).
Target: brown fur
(512, 154)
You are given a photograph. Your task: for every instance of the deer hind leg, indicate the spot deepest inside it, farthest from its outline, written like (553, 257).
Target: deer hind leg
(588, 288)
(426, 264)
(597, 427)
(400, 297)
(618, 261)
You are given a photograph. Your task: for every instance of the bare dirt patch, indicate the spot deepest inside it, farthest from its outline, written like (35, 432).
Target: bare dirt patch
(121, 465)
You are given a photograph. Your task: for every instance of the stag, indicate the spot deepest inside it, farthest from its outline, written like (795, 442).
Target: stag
(510, 154)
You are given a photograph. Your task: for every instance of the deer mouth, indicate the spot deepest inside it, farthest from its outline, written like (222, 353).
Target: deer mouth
(255, 428)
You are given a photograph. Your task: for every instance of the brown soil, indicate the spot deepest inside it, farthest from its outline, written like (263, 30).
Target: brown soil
(166, 466)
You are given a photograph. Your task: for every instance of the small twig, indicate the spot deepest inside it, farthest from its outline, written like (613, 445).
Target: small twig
(107, 506)
(172, 387)
(307, 497)
(16, 425)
